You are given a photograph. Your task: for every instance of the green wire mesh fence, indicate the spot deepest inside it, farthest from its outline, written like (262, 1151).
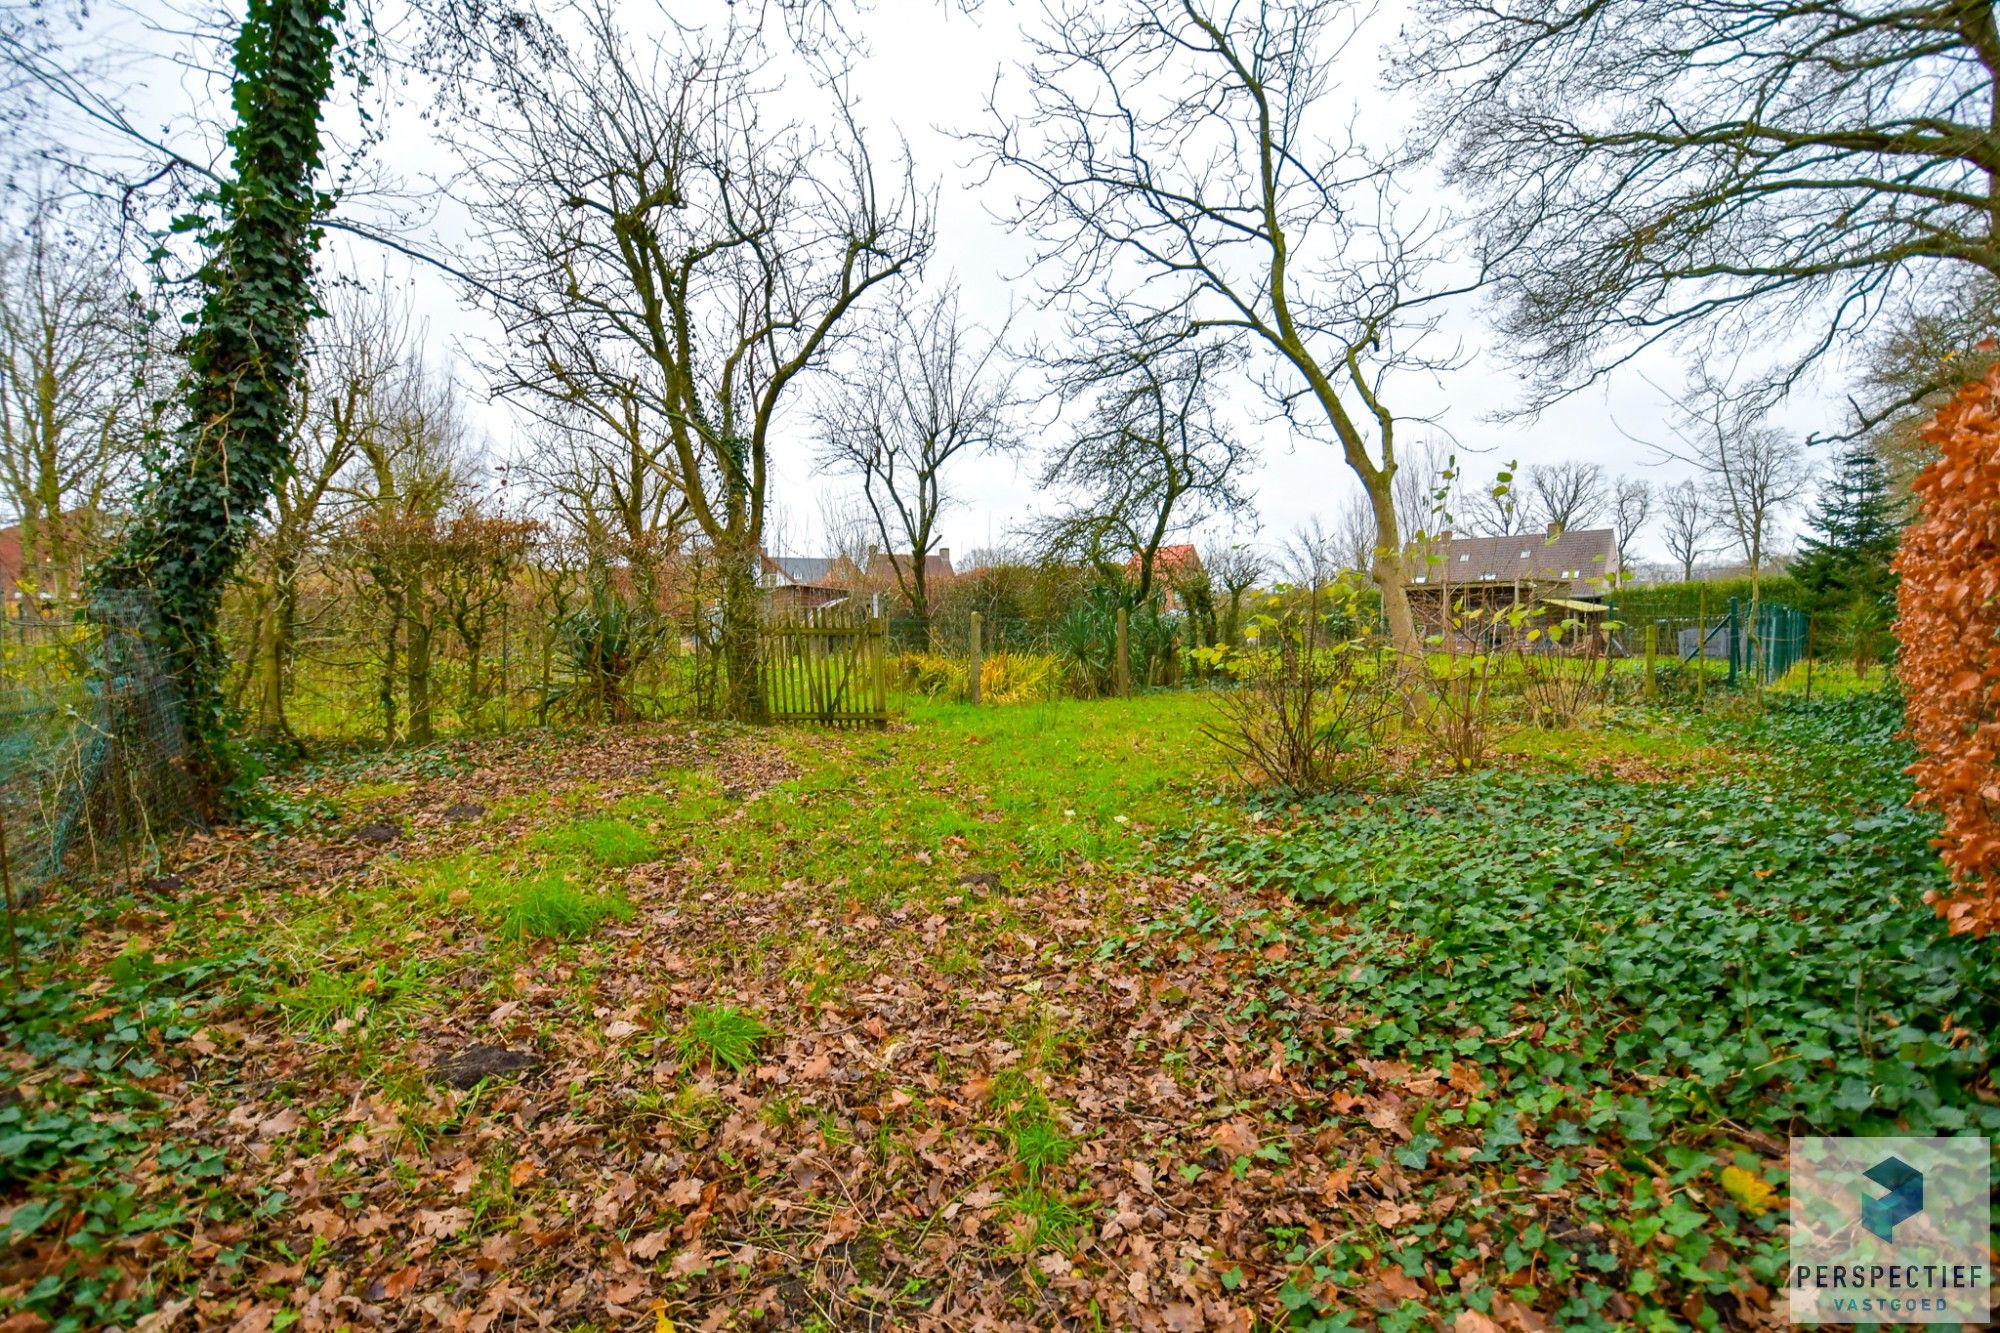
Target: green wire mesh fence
(93, 760)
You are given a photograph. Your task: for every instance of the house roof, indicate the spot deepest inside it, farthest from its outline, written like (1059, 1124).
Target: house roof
(1169, 560)
(808, 570)
(10, 558)
(882, 565)
(1578, 562)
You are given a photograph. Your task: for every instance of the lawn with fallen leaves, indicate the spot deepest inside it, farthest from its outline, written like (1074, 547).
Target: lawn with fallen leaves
(1020, 1018)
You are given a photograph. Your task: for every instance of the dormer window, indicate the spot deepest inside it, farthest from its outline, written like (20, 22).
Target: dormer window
(1464, 556)
(1488, 577)
(1421, 578)
(1572, 573)
(1524, 555)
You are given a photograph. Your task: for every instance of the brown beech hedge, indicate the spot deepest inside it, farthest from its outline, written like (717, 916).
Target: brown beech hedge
(1948, 626)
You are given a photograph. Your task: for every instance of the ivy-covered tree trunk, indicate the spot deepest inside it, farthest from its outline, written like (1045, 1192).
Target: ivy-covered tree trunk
(232, 445)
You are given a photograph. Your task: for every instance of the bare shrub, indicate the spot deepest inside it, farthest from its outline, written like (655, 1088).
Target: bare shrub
(1449, 694)
(1310, 704)
(1565, 670)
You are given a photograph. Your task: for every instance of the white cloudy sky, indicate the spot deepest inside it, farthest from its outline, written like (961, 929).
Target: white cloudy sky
(926, 71)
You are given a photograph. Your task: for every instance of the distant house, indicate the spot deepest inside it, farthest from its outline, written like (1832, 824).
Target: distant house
(885, 566)
(82, 531)
(799, 583)
(1574, 570)
(1173, 567)
(875, 575)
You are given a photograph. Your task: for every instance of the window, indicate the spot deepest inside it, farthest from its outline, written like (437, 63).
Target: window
(1421, 578)
(1571, 573)
(1464, 556)
(1524, 555)
(1488, 578)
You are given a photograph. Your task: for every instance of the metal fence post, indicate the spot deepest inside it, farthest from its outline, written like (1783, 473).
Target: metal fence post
(1652, 649)
(974, 661)
(1701, 647)
(1733, 632)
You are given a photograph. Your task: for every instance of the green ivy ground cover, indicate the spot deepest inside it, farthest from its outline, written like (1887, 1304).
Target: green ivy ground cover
(1667, 978)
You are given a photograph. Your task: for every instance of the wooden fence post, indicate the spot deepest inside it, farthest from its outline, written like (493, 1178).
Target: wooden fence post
(879, 633)
(973, 661)
(1652, 650)
(1809, 656)
(1121, 667)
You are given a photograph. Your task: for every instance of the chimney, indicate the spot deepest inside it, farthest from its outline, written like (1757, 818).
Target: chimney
(943, 554)
(1555, 530)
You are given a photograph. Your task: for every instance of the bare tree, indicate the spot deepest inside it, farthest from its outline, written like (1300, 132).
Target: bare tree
(1235, 569)
(926, 389)
(355, 357)
(1494, 510)
(1631, 506)
(1686, 525)
(70, 421)
(412, 464)
(1310, 558)
(1151, 456)
(1565, 496)
(1753, 472)
(1426, 489)
(1180, 148)
(1746, 164)
(1354, 532)
(650, 229)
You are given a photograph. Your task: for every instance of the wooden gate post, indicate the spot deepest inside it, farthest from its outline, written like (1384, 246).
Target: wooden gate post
(974, 661)
(1121, 667)
(878, 637)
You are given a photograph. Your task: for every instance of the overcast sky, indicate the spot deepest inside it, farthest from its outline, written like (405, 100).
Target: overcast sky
(926, 73)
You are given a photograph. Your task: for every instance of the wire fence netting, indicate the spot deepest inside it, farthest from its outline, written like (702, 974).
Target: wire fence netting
(93, 753)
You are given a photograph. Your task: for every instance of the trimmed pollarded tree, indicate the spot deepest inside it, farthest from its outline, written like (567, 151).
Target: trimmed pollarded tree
(1948, 629)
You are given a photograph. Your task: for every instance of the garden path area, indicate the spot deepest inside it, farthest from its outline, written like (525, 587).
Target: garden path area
(1014, 1018)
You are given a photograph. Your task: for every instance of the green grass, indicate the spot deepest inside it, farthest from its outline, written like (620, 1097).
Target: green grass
(608, 842)
(1042, 1219)
(552, 905)
(1039, 1145)
(334, 995)
(720, 1035)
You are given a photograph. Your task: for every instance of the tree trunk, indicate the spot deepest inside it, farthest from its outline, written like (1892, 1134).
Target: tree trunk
(417, 677)
(742, 616)
(1387, 569)
(271, 693)
(281, 623)
(385, 684)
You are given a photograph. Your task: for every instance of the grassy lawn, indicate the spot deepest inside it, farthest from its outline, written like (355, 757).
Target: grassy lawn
(1024, 1015)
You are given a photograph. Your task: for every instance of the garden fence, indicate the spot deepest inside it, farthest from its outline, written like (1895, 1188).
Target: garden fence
(1729, 641)
(93, 758)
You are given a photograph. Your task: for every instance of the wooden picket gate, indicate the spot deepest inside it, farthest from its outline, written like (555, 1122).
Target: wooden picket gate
(827, 665)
